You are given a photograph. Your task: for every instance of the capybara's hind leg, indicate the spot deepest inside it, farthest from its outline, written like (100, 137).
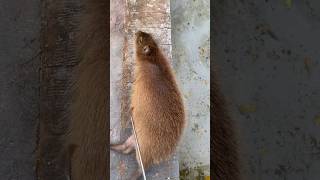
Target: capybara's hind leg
(127, 147)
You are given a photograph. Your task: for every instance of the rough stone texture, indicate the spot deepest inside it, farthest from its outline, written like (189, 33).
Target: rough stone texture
(268, 56)
(126, 18)
(118, 163)
(19, 87)
(191, 62)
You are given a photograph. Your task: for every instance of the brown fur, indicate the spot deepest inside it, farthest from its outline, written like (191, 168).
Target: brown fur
(158, 112)
(225, 154)
(88, 110)
(157, 106)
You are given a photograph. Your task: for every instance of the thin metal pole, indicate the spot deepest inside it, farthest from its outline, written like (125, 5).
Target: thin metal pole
(138, 150)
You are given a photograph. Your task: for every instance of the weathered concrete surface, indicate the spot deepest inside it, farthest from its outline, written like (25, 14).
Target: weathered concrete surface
(19, 87)
(118, 163)
(191, 62)
(126, 18)
(268, 56)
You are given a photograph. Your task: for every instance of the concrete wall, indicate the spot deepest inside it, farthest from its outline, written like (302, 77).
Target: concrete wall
(19, 87)
(127, 17)
(191, 61)
(268, 56)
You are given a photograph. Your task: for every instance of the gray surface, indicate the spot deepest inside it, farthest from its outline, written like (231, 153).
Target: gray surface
(191, 62)
(190, 41)
(271, 78)
(19, 83)
(137, 16)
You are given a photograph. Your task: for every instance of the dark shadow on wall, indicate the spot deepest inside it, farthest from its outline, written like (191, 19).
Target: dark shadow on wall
(19, 87)
(267, 53)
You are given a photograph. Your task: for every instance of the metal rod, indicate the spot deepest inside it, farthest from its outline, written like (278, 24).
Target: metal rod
(138, 150)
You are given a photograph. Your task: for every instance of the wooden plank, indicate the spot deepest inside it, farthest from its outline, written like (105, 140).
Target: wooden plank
(57, 61)
(58, 32)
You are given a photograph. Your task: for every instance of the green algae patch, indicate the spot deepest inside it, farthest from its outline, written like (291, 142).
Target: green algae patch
(247, 108)
(196, 173)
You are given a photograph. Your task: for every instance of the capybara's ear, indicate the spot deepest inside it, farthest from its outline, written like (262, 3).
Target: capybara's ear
(146, 50)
